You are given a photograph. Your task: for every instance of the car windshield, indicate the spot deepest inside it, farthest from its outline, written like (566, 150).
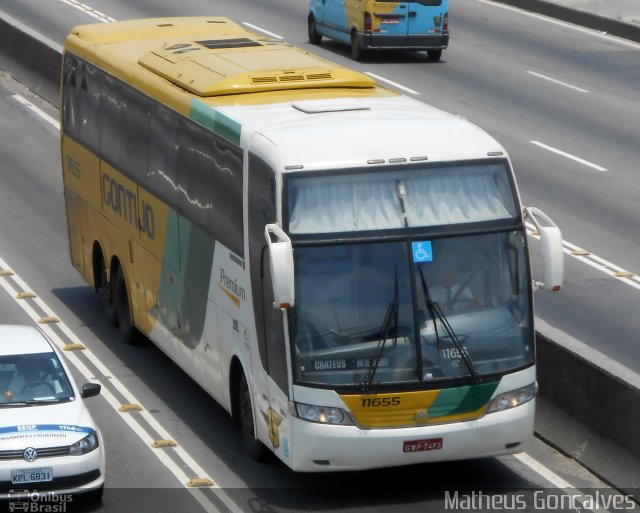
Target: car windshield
(33, 378)
(365, 312)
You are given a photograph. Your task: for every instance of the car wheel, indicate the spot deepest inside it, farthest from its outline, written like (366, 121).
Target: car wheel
(356, 51)
(314, 37)
(106, 289)
(255, 448)
(127, 331)
(434, 55)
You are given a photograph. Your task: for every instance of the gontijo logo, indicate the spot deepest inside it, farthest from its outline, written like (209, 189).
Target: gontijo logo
(124, 202)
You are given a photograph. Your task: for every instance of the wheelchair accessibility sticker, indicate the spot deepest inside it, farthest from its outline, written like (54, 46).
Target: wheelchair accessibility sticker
(422, 251)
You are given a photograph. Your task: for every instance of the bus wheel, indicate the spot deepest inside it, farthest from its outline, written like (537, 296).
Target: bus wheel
(122, 306)
(356, 51)
(314, 37)
(434, 55)
(107, 295)
(255, 448)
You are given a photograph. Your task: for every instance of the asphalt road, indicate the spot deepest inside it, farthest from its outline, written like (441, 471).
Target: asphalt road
(491, 75)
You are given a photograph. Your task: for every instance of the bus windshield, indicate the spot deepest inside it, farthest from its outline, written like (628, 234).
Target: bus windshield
(371, 304)
(418, 196)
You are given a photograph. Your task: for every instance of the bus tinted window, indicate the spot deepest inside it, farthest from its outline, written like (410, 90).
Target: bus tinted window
(111, 120)
(81, 101)
(210, 184)
(135, 132)
(162, 171)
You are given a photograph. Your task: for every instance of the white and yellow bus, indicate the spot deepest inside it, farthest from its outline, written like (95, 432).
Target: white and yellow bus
(284, 229)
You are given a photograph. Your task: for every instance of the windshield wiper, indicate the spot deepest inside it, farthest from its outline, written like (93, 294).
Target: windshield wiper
(12, 404)
(436, 311)
(390, 316)
(30, 402)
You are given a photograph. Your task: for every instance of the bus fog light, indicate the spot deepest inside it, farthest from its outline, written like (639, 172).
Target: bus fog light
(513, 398)
(322, 414)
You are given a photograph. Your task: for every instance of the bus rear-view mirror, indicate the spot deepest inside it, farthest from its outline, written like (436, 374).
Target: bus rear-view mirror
(551, 248)
(281, 265)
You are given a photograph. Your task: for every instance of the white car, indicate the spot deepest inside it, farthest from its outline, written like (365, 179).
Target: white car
(49, 444)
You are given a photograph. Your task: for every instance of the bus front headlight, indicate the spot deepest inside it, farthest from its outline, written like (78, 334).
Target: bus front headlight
(513, 398)
(322, 414)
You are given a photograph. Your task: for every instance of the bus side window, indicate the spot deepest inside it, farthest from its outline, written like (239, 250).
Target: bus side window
(135, 132)
(89, 92)
(162, 158)
(71, 97)
(210, 185)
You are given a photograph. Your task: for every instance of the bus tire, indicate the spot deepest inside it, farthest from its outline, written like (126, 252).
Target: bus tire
(107, 293)
(356, 51)
(314, 37)
(254, 447)
(434, 55)
(127, 331)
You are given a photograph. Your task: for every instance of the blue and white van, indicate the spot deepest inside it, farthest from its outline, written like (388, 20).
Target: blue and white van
(381, 25)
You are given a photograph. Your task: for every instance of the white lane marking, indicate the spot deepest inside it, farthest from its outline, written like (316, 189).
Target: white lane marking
(37, 110)
(558, 482)
(564, 24)
(559, 82)
(540, 469)
(394, 84)
(569, 156)
(114, 382)
(100, 16)
(259, 29)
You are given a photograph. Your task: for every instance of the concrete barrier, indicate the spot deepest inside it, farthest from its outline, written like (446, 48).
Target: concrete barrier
(31, 58)
(579, 17)
(589, 405)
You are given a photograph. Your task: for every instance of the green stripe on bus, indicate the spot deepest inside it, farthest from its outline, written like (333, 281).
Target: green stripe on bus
(452, 401)
(216, 121)
(184, 280)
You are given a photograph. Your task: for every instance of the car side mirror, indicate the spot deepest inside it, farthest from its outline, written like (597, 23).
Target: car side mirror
(90, 390)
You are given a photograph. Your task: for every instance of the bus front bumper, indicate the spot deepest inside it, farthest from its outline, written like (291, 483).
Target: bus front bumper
(321, 447)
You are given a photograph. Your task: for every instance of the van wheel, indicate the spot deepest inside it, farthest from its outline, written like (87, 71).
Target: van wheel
(356, 51)
(127, 331)
(107, 291)
(255, 448)
(434, 55)
(314, 37)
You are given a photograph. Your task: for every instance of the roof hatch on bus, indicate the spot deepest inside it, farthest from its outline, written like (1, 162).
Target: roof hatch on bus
(220, 66)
